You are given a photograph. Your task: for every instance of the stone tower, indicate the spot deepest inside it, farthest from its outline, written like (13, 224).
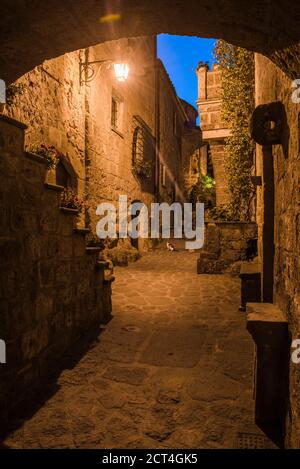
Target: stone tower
(213, 129)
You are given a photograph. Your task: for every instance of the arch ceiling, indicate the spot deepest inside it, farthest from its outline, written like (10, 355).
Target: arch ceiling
(34, 30)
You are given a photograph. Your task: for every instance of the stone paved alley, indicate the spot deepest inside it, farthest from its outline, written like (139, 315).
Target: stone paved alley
(173, 369)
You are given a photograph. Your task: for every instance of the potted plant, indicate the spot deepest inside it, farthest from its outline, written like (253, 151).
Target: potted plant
(48, 152)
(70, 200)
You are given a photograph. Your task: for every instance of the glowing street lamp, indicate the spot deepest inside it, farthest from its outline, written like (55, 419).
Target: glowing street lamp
(121, 71)
(88, 71)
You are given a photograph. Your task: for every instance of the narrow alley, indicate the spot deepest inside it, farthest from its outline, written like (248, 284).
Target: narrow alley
(126, 130)
(172, 369)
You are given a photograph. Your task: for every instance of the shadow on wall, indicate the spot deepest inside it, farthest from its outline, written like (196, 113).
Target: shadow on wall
(36, 398)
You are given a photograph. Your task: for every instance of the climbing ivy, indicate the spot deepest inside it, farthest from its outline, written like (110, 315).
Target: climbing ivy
(237, 66)
(203, 191)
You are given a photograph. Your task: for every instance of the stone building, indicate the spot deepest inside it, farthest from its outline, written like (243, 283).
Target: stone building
(278, 220)
(192, 150)
(101, 125)
(213, 129)
(178, 141)
(108, 130)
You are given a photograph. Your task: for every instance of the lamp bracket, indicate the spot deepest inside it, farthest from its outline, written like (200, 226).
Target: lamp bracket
(89, 70)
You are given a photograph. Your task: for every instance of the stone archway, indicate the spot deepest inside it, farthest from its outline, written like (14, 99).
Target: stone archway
(31, 31)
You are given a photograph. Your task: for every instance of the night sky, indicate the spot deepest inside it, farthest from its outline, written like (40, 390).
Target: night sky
(180, 55)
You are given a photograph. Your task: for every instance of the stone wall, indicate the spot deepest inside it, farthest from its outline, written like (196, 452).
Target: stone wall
(273, 85)
(225, 243)
(51, 104)
(172, 120)
(52, 290)
(109, 150)
(77, 119)
(216, 151)
(191, 158)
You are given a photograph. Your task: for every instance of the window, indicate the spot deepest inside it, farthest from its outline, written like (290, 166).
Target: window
(114, 112)
(63, 178)
(116, 119)
(143, 148)
(65, 175)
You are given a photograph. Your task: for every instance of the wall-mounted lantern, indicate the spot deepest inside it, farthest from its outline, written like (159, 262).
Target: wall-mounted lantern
(121, 71)
(88, 70)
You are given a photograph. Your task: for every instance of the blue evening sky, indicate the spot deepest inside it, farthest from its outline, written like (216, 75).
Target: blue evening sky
(180, 55)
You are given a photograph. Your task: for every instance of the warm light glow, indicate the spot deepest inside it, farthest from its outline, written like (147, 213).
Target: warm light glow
(110, 18)
(121, 71)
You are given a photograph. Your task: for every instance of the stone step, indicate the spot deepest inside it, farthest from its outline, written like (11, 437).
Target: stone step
(265, 312)
(54, 187)
(12, 134)
(82, 231)
(92, 250)
(69, 211)
(37, 158)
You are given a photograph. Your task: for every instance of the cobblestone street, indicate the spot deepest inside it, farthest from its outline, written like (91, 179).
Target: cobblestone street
(173, 368)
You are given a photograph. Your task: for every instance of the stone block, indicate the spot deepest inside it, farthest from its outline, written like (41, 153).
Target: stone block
(250, 275)
(62, 273)
(64, 293)
(35, 340)
(269, 328)
(46, 272)
(65, 247)
(66, 225)
(12, 135)
(17, 218)
(210, 266)
(49, 219)
(79, 246)
(212, 238)
(230, 255)
(44, 304)
(49, 247)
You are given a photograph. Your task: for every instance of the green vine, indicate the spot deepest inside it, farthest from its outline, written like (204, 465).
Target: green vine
(203, 191)
(237, 66)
